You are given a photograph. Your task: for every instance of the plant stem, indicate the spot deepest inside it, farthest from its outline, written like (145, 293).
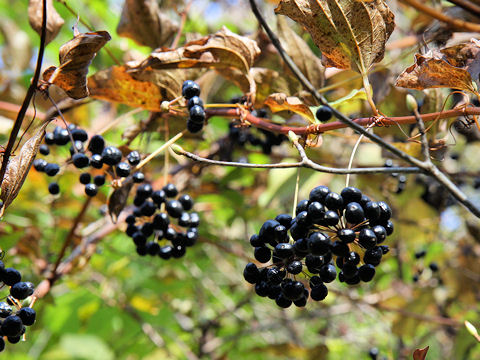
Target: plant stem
(26, 102)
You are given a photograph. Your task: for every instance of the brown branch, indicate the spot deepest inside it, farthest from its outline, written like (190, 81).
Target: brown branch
(467, 5)
(335, 125)
(28, 97)
(184, 15)
(456, 23)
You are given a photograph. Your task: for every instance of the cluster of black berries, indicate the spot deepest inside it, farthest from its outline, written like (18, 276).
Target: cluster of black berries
(96, 157)
(402, 179)
(13, 317)
(191, 93)
(327, 226)
(242, 135)
(153, 216)
(433, 266)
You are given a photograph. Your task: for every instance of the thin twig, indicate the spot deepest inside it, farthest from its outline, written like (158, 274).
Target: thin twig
(306, 162)
(184, 15)
(70, 235)
(455, 23)
(426, 166)
(467, 5)
(26, 102)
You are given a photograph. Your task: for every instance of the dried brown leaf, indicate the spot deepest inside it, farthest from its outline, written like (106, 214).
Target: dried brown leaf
(350, 33)
(118, 199)
(450, 67)
(18, 168)
(75, 58)
(420, 354)
(301, 54)
(220, 50)
(144, 88)
(54, 20)
(280, 102)
(143, 22)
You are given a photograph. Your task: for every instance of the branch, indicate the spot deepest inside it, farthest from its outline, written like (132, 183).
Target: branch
(467, 5)
(28, 97)
(456, 23)
(306, 163)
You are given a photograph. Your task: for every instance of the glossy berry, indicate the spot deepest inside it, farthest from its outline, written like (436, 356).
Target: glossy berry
(190, 89)
(96, 144)
(367, 238)
(351, 194)
(170, 190)
(85, 178)
(318, 243)
(111, 155)
(346, 235)
(354, 213)
(12, 326)
(295, 267)
(262, 254)
(21, 290)
(328, 273)
(53, 188)
(323, 113)
(194, 127)
(138, 177)
(334, 201)
(80, 160)
(319, 193)
(123, 169)
(174, 208)
(319, 292)
(10, 276)
(79, 134)
(39, 164)
(134, 158)
(284, 250)
(366, 272)
(197, 114)
(99, 180)
(186, 201)
(144, 191)
(91, 190)
(44, 149)
(96, 161)
(49, 138)
(52, 169)
(61, 136)
(194, 101)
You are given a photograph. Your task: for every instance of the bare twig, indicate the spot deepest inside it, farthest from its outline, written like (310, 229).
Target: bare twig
(28, 97)
(306, 162)
(455, 23)
(467, 5)
(184, 15)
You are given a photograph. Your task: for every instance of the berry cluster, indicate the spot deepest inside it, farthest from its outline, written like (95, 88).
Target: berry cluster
(327, 226)
(153, 216)
(13, 317)
(191, 93)
(97, 156)
(242, 135)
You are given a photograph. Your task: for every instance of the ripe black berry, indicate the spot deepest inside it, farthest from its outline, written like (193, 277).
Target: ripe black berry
(40, 164)
(52, 169)
(85, 178)
(96, 161)
(123, 169)
(194, 101)
(319, 292)
(53, 188)
(190, 89)
(170, 190)
(134, 158)
(99, 180)
(91, 189)
(111, 155)
(194, 127)
(21, 290)
(197, 115)
(79, 134)
(96, 144)
(323, 113)
(174, 208)
(12, 326)
(138, 177)
(10, 276)
(80, 160)
(44, 149)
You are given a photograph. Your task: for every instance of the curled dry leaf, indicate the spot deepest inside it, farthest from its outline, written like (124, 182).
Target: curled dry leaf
(300, 52)
(54, 20)
(220, 50)
(118, 199)
(18, 168)
(143, 22)
(280, 102)
(75, 58)
(143, 88)
(350, 33)
(452, 67)
(420, 354)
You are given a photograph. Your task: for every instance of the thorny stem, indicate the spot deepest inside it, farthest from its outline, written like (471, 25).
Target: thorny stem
(427, 167)
(26, 102)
